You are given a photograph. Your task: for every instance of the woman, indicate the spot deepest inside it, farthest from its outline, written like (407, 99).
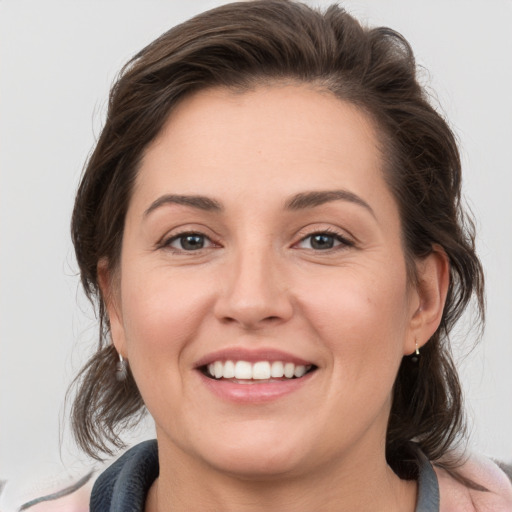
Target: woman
(271, 225)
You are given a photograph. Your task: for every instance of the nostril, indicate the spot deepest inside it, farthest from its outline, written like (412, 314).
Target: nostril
(228, 320)
(250, 320)
(252, 308)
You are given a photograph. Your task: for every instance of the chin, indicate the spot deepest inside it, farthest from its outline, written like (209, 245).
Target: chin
(254, 465)
(257, 455)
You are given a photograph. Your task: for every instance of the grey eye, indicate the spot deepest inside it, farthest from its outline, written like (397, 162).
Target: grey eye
(189, 242)
(322, 241)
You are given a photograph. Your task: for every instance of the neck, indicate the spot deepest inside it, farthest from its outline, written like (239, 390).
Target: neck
(370, 485)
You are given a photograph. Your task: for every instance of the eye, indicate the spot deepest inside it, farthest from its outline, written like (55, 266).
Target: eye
(189, 242)
(323, 241)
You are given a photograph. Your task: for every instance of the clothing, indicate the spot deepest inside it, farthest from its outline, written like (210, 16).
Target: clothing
(123, 487)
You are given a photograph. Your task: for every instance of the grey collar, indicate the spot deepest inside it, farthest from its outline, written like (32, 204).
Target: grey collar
(123, 487)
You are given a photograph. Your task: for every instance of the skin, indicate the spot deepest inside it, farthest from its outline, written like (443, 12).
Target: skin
(259, 282)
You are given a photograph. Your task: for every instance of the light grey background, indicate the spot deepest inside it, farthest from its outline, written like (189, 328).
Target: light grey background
(57, 61)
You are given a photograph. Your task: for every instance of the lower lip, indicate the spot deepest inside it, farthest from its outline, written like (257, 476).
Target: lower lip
(254, 392)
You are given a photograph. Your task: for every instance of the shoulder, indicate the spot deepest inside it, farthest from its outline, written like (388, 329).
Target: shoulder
(77, 501)
(131, 475)
(484, 472)
(56, 494)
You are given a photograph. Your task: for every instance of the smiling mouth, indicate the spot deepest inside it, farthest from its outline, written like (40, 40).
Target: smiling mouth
(245, 372)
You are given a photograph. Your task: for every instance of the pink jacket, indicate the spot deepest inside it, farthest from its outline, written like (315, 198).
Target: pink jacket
(456, 497)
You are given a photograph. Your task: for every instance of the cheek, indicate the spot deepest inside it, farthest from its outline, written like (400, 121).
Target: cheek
(162, 318)
(161, 314)
(362, 317)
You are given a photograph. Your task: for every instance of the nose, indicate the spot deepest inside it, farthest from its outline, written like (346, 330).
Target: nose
(254, 291)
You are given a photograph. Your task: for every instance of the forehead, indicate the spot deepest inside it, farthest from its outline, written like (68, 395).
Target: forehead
(269, 140)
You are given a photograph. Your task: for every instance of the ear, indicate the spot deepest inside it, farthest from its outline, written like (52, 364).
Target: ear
(111, 295)
(433, 278)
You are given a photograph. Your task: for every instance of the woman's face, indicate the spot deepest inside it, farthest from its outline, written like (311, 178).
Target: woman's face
(262, 241)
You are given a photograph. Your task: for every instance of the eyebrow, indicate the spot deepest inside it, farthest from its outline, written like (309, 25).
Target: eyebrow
(306, 200)
(300, 201)
(199, 202)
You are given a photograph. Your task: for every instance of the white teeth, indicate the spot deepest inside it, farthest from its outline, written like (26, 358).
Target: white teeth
(277, 370)
(229, 370)
(299, 371)
(243, 370)
(289, 370)
(218, 369)
(261, 370)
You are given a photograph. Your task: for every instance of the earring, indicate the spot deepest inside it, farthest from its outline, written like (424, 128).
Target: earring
(416, 356)
(121, 369)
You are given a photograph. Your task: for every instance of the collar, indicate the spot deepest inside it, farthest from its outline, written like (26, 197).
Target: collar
(123, 486)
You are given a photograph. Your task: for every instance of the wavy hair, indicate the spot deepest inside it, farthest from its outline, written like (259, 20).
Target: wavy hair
(240, 46)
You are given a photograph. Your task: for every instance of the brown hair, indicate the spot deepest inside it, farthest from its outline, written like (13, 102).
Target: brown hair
(239, 46)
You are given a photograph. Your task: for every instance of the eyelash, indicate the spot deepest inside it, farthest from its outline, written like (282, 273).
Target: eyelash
(166, 243)
(343, 241)
(331, 233)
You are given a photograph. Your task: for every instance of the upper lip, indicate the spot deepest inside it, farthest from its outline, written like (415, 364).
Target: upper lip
(251, 356)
